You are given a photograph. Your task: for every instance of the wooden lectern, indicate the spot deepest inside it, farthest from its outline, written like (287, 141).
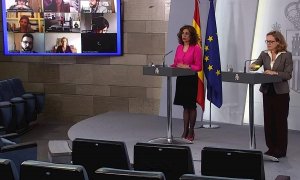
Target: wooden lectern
(250, 79)
(169, 72)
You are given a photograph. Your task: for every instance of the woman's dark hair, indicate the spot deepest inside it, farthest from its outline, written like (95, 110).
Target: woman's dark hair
(194, 38)
(282, 45)
(99, 23)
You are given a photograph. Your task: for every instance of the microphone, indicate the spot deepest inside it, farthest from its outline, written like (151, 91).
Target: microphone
(164, 58)
(246, 64)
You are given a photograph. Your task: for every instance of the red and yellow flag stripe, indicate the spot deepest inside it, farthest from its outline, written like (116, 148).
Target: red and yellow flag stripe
(197, 26)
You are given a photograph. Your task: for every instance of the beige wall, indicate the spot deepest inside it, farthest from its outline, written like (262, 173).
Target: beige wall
(80, 87)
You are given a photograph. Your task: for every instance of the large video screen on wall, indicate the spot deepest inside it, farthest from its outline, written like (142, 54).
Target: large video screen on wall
(62, 27)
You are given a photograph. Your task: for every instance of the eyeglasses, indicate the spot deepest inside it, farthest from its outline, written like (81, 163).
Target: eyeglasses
(269, 42)
(27, 42)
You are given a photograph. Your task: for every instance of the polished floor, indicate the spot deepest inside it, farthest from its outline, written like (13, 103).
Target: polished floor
(133, 128)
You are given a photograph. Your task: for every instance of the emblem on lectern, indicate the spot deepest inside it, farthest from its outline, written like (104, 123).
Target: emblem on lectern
(237, 77)
(156, 71)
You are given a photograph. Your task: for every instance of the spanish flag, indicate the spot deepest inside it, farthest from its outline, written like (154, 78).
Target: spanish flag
(197, 26)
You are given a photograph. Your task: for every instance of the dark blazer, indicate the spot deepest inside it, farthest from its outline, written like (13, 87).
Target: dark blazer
(283, 65)
(60, 49)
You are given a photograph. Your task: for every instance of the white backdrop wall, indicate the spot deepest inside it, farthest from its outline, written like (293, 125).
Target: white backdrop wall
(235, 24)
(181, 13)
(283, 16)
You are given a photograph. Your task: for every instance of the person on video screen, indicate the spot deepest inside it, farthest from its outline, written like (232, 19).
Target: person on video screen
(76, 25)
(64, 47)
(24, 25)
(21, 5)
(27, 43)
(56, 6)
(71, 23)
(99, 24)
(97, 7)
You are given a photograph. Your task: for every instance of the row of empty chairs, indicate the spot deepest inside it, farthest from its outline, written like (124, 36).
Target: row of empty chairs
(18, 109)
(38, 170)
(172, 160)
(102, 159)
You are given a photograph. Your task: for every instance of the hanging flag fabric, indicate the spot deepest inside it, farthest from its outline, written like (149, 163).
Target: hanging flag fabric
(212, 64)
(197, 26)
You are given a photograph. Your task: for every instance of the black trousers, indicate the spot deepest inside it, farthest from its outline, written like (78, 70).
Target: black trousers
(276, 110)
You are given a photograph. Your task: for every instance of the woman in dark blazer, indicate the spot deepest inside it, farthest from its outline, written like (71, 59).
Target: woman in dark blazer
(277, 61)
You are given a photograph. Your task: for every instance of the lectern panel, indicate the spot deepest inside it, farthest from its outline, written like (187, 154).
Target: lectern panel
(166, 71)
(249, 78)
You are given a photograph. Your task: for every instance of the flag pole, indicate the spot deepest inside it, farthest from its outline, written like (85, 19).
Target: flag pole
(210, 126)
(201, 91)
(201, 122)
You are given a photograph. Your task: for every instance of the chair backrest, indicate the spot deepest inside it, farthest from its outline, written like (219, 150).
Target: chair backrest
(172, 160)
(200, 177)
(37, 170)
(1, 98)
(6, 91)
(8, 170)
(121, 174)
(19, 153)
(17, 86)
(95, 154)
(6, 116)
(233, 163)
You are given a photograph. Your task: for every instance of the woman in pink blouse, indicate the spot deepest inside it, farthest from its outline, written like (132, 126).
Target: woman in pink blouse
(188, 55)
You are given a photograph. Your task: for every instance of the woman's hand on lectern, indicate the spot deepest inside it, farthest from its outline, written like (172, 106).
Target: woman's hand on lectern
(180, 65)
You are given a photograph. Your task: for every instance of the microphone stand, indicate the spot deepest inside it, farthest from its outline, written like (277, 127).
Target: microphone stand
(164, 58)
(245, 69)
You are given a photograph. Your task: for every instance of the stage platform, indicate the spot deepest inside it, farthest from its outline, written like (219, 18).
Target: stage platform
(132, 128)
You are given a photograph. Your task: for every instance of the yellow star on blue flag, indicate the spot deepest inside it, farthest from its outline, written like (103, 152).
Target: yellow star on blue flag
(212, 68)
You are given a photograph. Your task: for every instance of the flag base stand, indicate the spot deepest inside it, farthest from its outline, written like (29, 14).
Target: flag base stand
(210, 126)
(198, 127)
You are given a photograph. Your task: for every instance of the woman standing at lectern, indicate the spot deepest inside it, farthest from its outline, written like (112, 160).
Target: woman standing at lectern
(188, 55)
(277, 61)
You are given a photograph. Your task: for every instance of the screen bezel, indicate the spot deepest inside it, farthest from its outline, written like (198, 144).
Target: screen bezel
(119, 45)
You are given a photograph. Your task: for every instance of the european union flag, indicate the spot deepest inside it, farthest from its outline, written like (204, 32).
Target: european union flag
(212, 65)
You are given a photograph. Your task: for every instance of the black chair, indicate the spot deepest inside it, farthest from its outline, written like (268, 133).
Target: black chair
(8, 170)
(172, 160)
(18, 121)
(195, 177)
(121, 174)
(233, 163)
(19, 91)
(2, 129)
(17, 152)
(37, 170)
(13, 137)
(30, 102)
(95, 154)
(7, 122)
